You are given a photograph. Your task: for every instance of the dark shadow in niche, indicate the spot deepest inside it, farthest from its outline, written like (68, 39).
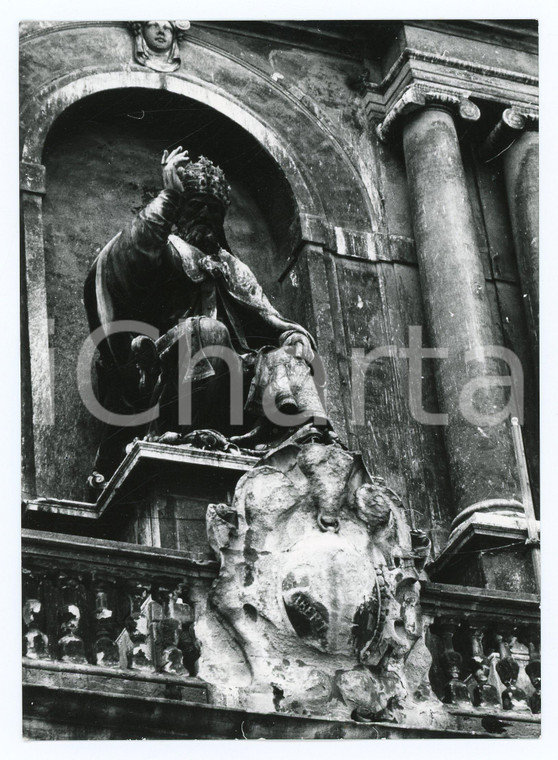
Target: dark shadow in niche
(102, 159)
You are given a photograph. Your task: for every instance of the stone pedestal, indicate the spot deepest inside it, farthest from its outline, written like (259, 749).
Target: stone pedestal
(159, 495)
(488, 550)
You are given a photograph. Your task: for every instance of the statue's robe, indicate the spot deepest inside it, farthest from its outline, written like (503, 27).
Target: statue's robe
(147, 274)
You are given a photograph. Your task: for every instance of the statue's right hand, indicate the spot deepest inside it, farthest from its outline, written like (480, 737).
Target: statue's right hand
(171, 162)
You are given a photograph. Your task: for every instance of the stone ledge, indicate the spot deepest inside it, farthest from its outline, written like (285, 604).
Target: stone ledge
(116, 680)
(140, 452)
(491, 527)
(77, 713)
(146, 451)
(512, 725)
(96, 553)
(468, 602)
(66, 507)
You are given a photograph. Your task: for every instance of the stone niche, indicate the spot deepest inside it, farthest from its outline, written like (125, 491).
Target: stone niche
(102, 160)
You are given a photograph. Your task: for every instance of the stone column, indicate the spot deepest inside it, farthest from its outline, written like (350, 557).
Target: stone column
(458, 314)
(521, 169)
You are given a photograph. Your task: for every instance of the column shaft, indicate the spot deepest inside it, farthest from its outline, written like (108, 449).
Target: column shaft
(521, 169)
(481, 458)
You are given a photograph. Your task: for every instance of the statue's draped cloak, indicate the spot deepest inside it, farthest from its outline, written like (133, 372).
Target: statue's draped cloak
(146, 274)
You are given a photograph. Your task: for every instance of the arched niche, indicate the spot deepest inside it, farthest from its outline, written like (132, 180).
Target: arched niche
(293, 198)
(102, 165)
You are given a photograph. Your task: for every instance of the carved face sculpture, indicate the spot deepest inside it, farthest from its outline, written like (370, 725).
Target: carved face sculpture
(158, 35)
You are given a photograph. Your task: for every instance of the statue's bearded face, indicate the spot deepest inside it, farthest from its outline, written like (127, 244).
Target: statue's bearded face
(158, 35)
(201, 223)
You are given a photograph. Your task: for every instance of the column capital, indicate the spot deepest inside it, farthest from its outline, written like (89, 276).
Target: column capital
(521, 117)
(512, 122)
(417, 96)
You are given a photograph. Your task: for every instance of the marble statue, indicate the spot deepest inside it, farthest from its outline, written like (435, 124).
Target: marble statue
(170, 268)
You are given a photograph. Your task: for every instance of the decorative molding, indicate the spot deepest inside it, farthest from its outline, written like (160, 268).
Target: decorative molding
(417, 96)
(64, 551)
(35, 671)
(412, 54)
(448, 601)
(491, 508)
(435, 71)
(69, 26)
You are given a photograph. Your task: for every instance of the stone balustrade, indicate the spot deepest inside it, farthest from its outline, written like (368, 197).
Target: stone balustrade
(109, 604)
(486, 649)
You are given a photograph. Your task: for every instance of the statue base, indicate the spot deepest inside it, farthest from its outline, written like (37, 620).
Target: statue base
(159, 495)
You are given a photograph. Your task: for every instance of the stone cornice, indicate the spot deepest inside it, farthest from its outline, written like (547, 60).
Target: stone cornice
(42, 548)
(478, 605)
(455, 79)
(419, 95)
(412, 54)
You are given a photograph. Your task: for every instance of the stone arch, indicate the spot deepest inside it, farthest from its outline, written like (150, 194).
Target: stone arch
(52, 100)
(335, 199)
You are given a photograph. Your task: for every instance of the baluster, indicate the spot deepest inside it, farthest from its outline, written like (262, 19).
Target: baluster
(484, 693)
(187, 641)
(170, 657)
(154, 612)
(456, 692)
(520, 653)
(35, 642)
(180, 648)
(513, 698)
(133, 642)
(533, 670)
(106, 650)
(70, 645)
